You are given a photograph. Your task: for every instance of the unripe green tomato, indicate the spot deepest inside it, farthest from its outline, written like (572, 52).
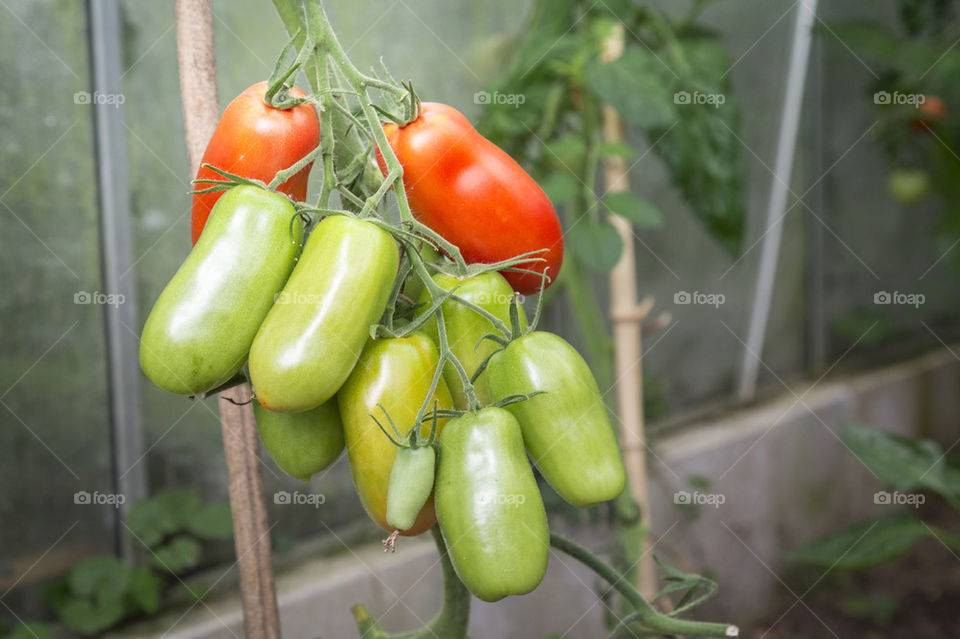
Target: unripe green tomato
(394, 373)
(465, 328)
(411, 482)
(566, 428)
(301, 443)
(908, 186)
(313, 335)
(489, 506)
(200, 329)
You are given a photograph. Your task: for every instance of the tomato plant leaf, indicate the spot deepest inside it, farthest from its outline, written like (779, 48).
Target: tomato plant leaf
(87, 618)
(560, 187)
(596, 243)
(177, 555)
(636, 210)
(900, 461)
(702, 150)
(864, 544)
(105, 578)
(212, 522)
(145, 588)
(633, 84)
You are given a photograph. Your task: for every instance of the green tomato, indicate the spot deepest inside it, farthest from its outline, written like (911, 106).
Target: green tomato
(394, 373)
(301, 443)
(313, 335)
(200, 329)
(489, 506)
(411, 482)
(908, 186)
(465, 328)
(566, 428)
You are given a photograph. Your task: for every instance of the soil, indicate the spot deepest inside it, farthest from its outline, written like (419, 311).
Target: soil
(915, 597)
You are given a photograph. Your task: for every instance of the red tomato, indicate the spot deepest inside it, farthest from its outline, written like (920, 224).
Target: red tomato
(930, 110)
(255, 141)
(473, 194)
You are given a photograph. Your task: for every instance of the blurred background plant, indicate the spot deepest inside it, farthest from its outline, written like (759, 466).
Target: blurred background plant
(545, 110)
(100, 592)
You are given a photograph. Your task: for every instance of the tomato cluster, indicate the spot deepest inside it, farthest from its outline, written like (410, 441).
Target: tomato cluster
(440, 421)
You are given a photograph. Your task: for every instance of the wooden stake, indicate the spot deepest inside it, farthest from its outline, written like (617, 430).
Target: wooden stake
(627, 318)
(198, 91)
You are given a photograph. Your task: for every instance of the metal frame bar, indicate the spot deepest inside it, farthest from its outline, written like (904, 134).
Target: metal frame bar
(116, 259)
(780, 189)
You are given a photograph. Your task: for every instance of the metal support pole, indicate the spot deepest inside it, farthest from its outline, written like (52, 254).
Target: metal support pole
(116, 259)
(782, 169)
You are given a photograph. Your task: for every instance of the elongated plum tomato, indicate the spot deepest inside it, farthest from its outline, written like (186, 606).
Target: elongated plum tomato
(301, 443)
(255, 141)
(201, 327)
(566, 428)
(489, 506)
(472, 193)
(313, 335)
(394, 374)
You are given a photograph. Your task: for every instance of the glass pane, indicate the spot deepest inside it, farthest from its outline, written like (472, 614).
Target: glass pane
(55, 440)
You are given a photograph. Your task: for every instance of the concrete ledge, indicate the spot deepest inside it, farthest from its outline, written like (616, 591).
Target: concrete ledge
(780, 467)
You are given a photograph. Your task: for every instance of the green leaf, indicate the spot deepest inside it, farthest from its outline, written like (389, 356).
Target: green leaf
(87, 618)
(636, 85)
(212, 522)
(177, 555)
(151, 520)
(596, 243)
(867, 39)
(618, 149)
(636, 210)
(31, 630)
(145, 586)
(105, 579)
(865, 544)
(560, 187)
(702, 151)
(900, 461)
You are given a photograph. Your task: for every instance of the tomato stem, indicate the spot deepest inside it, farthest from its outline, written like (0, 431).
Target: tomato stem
(646, 614)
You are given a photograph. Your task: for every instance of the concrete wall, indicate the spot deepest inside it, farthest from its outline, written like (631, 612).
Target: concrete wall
(780, 469)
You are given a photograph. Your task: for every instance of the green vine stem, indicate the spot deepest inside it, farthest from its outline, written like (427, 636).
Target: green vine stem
(647, 615)
(450, 622)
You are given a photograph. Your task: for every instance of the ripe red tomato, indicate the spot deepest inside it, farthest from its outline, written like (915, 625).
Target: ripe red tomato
(930, 110)
(255, 141)
(473, 194)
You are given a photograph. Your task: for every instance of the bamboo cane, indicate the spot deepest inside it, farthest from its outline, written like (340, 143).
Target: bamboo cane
(198, 91)
(627, 316)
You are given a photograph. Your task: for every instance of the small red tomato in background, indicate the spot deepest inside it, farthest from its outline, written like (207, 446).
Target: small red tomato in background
(255, 141)
(931, 110)
(473, 194)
